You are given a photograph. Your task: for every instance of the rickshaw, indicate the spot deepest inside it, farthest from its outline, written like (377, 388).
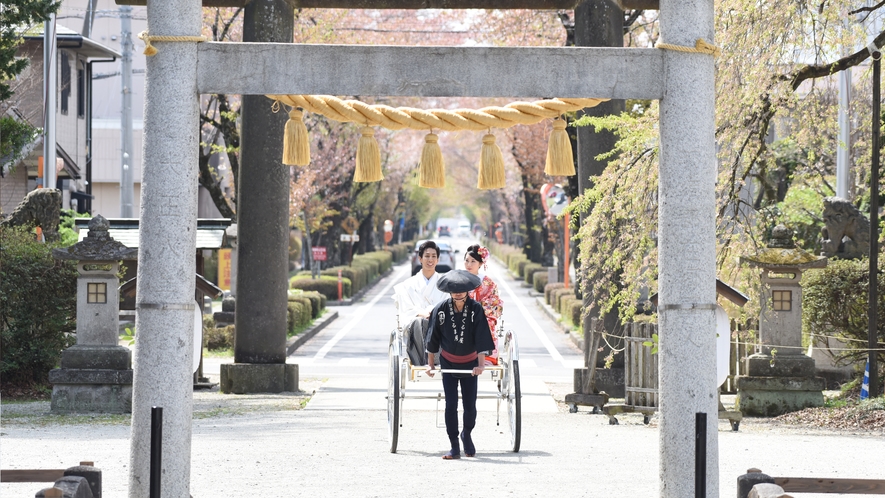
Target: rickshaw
(505, 374)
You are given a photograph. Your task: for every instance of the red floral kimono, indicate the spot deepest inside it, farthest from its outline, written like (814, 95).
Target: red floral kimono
(487, 295)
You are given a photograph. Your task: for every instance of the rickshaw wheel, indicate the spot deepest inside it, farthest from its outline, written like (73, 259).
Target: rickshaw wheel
(393, 401)
(514, 404)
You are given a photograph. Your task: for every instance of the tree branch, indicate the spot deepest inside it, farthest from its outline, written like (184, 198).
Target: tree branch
(812, 71)
(867, 9)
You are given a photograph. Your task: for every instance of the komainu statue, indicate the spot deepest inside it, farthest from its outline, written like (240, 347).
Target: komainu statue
(42, 208)
(847, 231)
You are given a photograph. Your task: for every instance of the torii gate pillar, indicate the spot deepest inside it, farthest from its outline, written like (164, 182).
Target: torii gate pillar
(687, 241)
(687, 250)
(164, 319)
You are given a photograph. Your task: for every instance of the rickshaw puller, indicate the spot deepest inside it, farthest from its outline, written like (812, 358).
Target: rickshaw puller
(459, 333)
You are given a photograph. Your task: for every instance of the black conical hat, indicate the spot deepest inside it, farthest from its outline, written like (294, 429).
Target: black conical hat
(458, 281)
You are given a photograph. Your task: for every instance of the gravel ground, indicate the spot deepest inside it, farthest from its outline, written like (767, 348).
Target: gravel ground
(264, 445)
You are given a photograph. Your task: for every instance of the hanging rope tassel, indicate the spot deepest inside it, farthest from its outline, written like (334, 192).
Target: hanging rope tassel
(368, 158)
(296, 142)
(433, 168)
(560, 161)
(491, 165)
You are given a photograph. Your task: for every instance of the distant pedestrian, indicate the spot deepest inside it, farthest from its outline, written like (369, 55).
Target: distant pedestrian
(459, 333)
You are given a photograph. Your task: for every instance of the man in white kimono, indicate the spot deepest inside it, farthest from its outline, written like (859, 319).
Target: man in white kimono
(415, 299)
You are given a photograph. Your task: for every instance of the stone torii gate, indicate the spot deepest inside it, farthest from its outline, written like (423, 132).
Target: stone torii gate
(181, 71)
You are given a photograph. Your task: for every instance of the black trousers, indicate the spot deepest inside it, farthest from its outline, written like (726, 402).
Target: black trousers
(468, 385)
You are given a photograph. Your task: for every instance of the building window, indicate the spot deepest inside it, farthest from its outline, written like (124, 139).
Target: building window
(782, 300)
(96, 293)
(81, 92)
(65, 83)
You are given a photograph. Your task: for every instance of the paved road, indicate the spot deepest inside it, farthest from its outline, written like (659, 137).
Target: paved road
(338, 446)
(352, 352)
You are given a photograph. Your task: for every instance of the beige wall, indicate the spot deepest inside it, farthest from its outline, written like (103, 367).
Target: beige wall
(13, 188)
(107, 199)
(106, 151)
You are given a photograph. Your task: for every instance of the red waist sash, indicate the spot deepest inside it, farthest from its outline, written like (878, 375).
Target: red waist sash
(467, 358)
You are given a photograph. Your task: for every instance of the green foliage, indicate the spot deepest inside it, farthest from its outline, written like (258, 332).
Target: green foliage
(219, 338)
(800, 211)
(128, 335)
(294, 248)
(298, 317)
(618, 251)
(834, 304)
(66, 233)
(16, 15)
(38, 307)
(14, 135)
(653, 343)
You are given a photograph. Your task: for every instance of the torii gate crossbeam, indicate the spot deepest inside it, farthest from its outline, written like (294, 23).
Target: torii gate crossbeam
(391, 71)
(683, 81)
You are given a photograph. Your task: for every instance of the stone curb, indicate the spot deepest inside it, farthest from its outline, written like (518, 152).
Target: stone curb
(296, 342)
(576, 339)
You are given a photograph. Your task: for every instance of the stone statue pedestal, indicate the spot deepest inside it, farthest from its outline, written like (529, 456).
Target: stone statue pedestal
(96, 373)
(227, 314)
(779, 384)
(248, 378)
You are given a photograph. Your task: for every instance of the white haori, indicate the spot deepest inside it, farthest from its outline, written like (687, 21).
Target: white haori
(416, 295)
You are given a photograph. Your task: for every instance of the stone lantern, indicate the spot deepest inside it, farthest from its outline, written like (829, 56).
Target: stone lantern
(780, 377)
(96, 373)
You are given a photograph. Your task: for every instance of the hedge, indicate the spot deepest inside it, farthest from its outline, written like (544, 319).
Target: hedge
(529, 271)
(38, 307)
(513, 262)
(566, 304)
(305, 301)
(835, 300)
(520, 267)
(539, 281)
(317, 300)
(215, 338)
(358, 277)
(548, 291)
(575, 312)
(400, 252)
(326, 285)
(384, 259)
(556, 297)
(297, 316)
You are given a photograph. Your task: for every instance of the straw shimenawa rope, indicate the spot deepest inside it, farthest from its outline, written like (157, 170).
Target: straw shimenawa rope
(150, 50)
(400, 118)
(700, 47)
(432, 168)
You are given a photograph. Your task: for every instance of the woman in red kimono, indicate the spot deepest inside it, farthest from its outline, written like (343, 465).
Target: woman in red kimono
(486, 294)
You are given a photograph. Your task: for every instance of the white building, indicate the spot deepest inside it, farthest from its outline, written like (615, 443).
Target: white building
(97, 174)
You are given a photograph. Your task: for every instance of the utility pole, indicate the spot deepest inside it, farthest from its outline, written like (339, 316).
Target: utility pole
(872, 303)
(126, 184)
(88, 19)
(843, 147)
(50, 89)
